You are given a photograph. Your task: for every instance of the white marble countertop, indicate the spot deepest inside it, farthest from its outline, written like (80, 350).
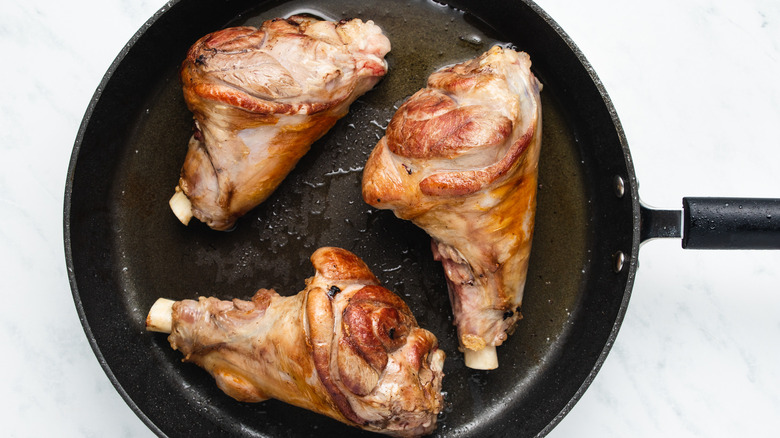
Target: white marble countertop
(695, 83)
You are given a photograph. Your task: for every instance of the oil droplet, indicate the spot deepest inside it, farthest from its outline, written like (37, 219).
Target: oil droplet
(472, 39)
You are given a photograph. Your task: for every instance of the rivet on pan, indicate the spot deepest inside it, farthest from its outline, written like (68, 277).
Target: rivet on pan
(620, 186)
(620, 259)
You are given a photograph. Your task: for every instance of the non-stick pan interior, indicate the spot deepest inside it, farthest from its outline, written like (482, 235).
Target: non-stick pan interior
(125, 248)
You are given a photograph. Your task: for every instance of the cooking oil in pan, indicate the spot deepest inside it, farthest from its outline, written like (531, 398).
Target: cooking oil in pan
(320, 204)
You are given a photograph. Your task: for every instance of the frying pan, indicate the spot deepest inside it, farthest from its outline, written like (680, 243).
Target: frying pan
(124, 248)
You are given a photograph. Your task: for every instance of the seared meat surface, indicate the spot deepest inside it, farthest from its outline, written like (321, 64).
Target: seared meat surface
(459, 159)
(260, 98)
(344, 347)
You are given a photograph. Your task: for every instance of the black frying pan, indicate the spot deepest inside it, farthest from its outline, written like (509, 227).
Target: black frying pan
(124, 248)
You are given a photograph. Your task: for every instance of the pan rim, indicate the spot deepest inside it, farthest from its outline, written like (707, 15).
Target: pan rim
(68, 198)
(629, 180)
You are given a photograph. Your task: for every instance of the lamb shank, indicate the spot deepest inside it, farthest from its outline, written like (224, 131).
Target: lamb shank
(344, 347)
(260, 99)
(459, 159)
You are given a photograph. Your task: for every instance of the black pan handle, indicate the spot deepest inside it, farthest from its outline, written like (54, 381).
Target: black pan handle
(717, 223)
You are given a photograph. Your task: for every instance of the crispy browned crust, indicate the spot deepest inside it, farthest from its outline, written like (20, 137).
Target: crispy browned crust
(340, 265)
(460, 159)
(235, 84)
(327, 349)
(336, 266)
(199, 83)
(470, 181)
(431, 124)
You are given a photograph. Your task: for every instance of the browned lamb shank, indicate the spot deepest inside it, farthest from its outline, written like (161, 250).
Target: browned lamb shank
(260, 98)
(344, 347)
(459, 159)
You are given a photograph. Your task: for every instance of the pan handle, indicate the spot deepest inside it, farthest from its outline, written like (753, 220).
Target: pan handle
(717, 223)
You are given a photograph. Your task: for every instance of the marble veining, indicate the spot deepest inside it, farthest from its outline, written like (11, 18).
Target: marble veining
(695, 85)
